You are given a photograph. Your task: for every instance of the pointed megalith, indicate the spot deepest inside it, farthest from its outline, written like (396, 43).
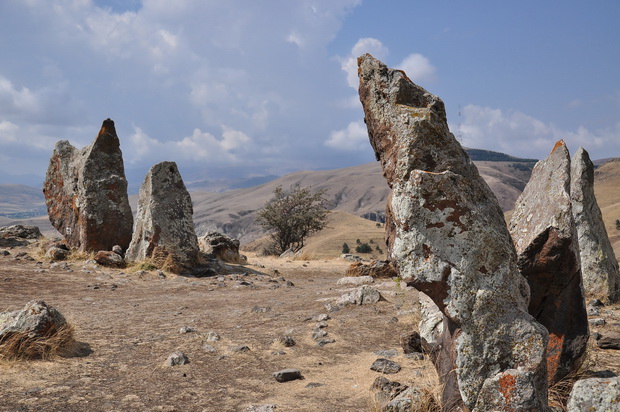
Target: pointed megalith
(545, 237)
(86, 193)
(447, 235)
(164, 231)
(599, 267)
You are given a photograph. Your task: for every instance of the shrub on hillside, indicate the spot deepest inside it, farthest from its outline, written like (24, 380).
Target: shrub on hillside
(363, 248)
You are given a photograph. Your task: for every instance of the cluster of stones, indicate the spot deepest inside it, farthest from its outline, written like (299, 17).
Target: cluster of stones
(503, 320)
(87, 202)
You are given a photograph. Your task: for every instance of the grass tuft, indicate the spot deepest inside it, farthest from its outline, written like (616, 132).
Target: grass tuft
(23, 346)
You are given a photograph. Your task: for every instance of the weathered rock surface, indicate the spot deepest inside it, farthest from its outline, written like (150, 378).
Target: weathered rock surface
(57, 253)
(286, 375)
(177, 358)
(385, 366)
(86, 193)
(610, 340)
(447, 236)
(221, 247)
(37, 318)
(595, 394)
(355, 280)
(545, 237)
(364, 295)
(376, 269)
(431, 322)
(164, 231)
(109, 258)
(599, 267)
(20, 231)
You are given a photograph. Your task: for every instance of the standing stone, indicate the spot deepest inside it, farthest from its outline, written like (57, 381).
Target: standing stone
(545, 237)
(164, 231)
(86, 193)
(599, 267)
(447, 236)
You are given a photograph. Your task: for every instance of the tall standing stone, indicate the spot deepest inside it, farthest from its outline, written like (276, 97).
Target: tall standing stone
(447, 235)
(545, 237)
(599, 267)
(164, 231)
(86, 193)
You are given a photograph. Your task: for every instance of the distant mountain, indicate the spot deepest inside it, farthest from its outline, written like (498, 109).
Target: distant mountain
(19, 199)
(491, 156)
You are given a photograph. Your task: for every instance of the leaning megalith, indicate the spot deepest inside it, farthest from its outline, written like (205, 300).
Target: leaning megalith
(164, 230)
(544, 234)
(599, 267)
(447, 236)
(86, 193)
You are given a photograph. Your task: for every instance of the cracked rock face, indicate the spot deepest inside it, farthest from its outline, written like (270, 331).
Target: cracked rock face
(599, 267)
(86, 193)
(164, 231)
(447, 236)
(545, 237)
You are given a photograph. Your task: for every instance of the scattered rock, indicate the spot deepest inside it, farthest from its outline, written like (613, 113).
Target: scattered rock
(110, 259)
(404, 401)
(324, 342)
(364, 295)
(21, 231)
(387, 353)
(213, 336)
(186, 329)
(261, 309)
(286, 341)
(286, 375)
(164, 232)
(56, 253)
(446, 234)
(415, 356)
(261, 408)
(239, 349)
(118, 250)
(12, 242)
(595, 394)
(318, 334)
(599, 267)
(208, 348)
(86, 193)
(5, 253)
(411, 342)
(312, 385)
(222, 247)
(385, 390)
(177, 358)
(385, 366)
(355, 280)
(545, 237)
(610, 340)
(375, 269)
(323, 317)
(351, 258)
(597, 322)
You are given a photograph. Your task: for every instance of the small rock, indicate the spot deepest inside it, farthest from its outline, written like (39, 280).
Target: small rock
(320, 325)
(416, 356)
(187, 329)
(411, 342)
(318, 334)
(5, 253)
(593, 311)
(355, 280)
(595, 394)
(212, 336)
(610, 341)
(324, 342)
(239, 349)
(289, 284)
(110, 259)
(361, 296)
(56, 253)
(261, 309)
(208, 348)
(597, 322)
(287, 341)
(177, 358)
(286, 375)
(596, 303)
(323, 317)
(596, 335)
(261, 408)
(313, 385)
(385, 366)
(278, 353)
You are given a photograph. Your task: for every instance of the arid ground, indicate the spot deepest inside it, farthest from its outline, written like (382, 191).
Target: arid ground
(131, 321)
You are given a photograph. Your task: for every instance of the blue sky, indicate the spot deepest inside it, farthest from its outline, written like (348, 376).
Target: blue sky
(247, 88)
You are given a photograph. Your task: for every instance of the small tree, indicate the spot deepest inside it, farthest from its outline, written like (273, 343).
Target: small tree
(292, 216)
(345, 248)
(364, 248)
(617, 224)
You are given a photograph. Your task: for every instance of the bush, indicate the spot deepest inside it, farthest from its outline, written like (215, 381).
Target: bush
(345, 248)
(363, 248)
(292, 216)
(617, 224)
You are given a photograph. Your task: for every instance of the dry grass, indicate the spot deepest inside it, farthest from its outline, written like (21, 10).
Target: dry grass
(56, 342)
(560, 392)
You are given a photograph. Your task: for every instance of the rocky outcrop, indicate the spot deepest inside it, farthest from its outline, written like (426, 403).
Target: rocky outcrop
(376, 269)
(599, 267)
(448, 238)
(164, 231)
(20, 231)
(545, 237)
(86, 193)
(221, 247)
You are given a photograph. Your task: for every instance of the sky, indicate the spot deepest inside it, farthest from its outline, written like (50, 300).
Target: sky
(243, 88)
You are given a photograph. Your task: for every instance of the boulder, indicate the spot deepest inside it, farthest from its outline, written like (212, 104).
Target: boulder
(545, 236)
(57, 253)
(376, 269)
(164, 231)
(20, 231)
(221, 247)
(431, 321)
(286, 375)
(355, 280)
(610, 340)
(595, 394)
(109, 258)
(447, 236)
(86, 193)
(385, 366)
(599, 267)
(363, 295)
(35, 328)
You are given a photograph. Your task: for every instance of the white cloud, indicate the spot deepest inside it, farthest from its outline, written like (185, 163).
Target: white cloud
(353, 137)
(363, 45)
(418, 68)
(522, 135)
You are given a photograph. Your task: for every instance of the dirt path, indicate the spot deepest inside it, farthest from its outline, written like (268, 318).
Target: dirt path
(131, 323)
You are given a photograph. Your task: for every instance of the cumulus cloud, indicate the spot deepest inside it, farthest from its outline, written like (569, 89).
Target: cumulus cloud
(353, 137)
(363, 45)
(418, 68)
(522, 135)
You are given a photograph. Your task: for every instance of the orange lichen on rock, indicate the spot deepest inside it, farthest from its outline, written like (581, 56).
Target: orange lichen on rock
(559, 143)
